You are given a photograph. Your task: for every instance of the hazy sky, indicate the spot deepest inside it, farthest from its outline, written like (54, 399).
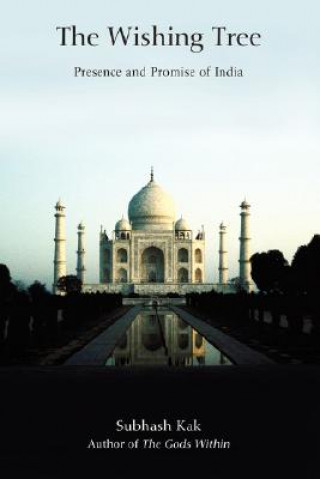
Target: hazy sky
(212, 141)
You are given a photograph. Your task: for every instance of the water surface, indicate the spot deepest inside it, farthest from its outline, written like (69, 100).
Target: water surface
(161, 338)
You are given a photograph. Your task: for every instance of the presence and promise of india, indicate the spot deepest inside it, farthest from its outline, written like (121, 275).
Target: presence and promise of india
(134, 36)
(156, 72)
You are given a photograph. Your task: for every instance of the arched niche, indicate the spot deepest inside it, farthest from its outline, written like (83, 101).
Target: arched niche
(183, 255)
(198, 275)
(122, 275)
(122, 255)
(106, 276)
(183, 276)
(198, 255)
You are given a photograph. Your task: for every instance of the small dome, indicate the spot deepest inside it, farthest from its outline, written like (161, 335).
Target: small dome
(81, 226)
(123, 225)
(244, 205)
(182, 225)
(152, 208)
(59, 204)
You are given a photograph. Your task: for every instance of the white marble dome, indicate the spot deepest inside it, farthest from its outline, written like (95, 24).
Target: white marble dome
(123, 225)
(152, 208)
(182, 225)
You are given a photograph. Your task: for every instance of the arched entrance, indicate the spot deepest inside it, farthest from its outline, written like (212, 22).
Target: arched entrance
(152, 265)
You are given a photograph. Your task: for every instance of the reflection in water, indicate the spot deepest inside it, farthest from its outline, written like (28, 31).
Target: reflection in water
(163, 339)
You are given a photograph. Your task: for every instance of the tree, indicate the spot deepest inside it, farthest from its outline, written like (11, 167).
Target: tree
(306, 267)
(236, 284)
(69, 284)
(5, 276)
(269, 270)
(7, 288)
(7, 293)
(37, 290)
(20, 285)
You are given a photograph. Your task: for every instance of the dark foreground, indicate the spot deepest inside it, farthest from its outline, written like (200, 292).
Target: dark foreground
(269, 414)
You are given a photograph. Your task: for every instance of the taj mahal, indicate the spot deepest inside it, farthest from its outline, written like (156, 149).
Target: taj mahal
(152, 252)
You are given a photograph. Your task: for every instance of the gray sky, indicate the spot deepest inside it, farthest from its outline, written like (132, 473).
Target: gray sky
(212, 141)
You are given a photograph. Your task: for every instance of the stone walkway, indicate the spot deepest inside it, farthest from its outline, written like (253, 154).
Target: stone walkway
(97, 351)
(238, 352)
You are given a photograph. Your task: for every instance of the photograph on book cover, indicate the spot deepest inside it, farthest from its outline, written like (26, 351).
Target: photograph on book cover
(160, 238)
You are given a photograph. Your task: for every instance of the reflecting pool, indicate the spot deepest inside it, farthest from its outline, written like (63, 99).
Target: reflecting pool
(161, 338)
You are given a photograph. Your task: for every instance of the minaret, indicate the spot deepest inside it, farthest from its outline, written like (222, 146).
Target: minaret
(101, 256)
(223, 256)
(80, 254)
(244, 260)
(60, 268)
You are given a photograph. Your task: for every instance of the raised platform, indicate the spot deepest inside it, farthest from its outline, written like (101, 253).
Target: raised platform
(157, 289)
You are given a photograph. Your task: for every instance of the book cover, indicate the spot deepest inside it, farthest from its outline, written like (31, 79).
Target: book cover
(163, 159)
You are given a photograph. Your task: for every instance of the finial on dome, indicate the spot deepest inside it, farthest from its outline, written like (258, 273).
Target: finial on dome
(152, 174)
